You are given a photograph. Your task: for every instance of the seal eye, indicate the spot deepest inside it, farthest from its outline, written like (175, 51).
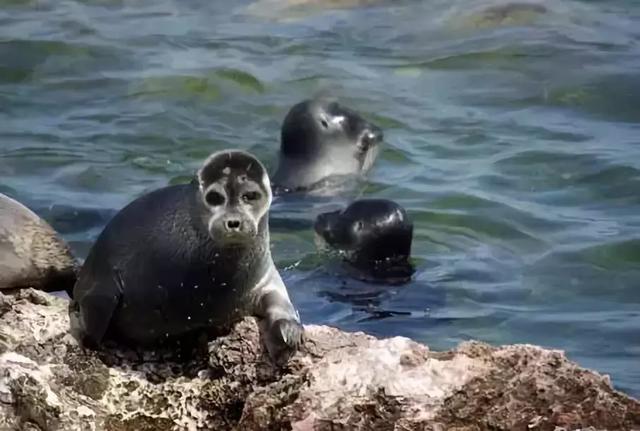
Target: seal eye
(324, 123)
(214, 198)
(250, 196)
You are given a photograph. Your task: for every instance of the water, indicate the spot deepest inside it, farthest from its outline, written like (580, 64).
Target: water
(513, 139)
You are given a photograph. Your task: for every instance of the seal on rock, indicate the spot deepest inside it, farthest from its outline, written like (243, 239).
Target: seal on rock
(32, 254)
(186, 260)
(374, 236)
(322, 139)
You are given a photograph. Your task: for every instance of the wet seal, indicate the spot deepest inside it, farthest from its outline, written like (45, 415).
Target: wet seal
(374, 236)
(185, 261)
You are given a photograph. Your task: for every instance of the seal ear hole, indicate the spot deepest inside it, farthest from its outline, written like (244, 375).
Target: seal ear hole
(251, 196)
(324, 123)
(213, 198)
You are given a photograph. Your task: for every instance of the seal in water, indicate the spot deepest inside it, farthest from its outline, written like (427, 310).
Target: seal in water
(186, 260)
(374, 236)
(321, 139)
(32, 254)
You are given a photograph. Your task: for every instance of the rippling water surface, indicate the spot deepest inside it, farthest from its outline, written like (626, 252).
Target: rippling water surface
(513, 139)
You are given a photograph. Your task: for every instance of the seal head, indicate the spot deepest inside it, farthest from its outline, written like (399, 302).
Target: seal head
(374, 236)
(320, 139)
(236, 193)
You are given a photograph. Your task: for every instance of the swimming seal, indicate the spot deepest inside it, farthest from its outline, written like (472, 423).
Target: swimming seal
(374, 236)
(32, 254)
(321, 139)
(187, 259)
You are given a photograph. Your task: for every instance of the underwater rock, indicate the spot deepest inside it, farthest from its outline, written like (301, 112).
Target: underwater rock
(339, 381)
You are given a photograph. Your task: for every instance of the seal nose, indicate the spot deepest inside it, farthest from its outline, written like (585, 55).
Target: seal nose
(374, 134)
(233, 224)
(371, 135)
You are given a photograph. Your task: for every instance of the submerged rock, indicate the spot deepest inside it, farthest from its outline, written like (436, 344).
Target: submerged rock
(339, 381)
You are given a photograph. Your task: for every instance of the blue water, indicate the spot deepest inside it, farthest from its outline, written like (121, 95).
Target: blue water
(513, 140)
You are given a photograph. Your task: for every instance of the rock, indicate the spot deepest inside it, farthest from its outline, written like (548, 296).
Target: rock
(339, 381)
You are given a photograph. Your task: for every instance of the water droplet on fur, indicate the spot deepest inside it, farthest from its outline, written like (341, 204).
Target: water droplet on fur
(166, 334)
(223, 284)
(181, 284)
(202, 304)
(159, 286)
(188, 317)
(195, 287)
(216, 255)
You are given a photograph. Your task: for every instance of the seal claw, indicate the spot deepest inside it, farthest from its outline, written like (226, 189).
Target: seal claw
(284, 339)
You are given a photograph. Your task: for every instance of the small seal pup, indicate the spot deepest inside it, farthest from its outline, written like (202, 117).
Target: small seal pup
(186, 260)
(32, 254)
(374, 236)
(322, 140)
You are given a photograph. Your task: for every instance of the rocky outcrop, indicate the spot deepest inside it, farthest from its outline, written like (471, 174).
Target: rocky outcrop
(340, 381)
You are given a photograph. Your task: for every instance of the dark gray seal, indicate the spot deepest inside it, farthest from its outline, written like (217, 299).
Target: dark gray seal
(374, 236)
(322, 140)
(32, 254)
(185, 260)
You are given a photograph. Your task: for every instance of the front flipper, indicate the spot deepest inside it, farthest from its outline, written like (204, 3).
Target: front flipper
(92, 308)
(279, 321)
(282, 337)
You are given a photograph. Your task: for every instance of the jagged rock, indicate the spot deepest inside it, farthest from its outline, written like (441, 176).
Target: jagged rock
(340, 381)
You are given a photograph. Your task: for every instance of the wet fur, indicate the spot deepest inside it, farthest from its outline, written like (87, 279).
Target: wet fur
(156, 273)
(32, 254)
(374, 237)
(323, 140)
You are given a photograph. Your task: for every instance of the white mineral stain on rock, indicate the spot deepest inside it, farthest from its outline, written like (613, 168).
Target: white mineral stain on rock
(13, 366)
(358, 371)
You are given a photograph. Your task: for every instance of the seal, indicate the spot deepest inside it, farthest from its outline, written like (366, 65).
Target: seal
(185, 260)
(320, 140)
(32, 254)
(374, 236)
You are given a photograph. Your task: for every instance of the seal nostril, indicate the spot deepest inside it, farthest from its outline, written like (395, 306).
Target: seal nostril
(233, 224)
(374, 135)
(370, 136)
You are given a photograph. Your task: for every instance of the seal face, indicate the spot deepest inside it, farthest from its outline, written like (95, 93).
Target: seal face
(321, 139)
(186, 260)
(374, 236)
(32, 254)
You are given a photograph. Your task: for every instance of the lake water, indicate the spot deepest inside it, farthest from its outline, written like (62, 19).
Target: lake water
(512, 138)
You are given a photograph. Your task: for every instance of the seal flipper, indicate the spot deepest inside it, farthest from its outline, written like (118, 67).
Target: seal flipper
(92, 308)
(279, 321)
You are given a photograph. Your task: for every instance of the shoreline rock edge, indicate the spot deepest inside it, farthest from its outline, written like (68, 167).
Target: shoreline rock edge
(339, 381)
